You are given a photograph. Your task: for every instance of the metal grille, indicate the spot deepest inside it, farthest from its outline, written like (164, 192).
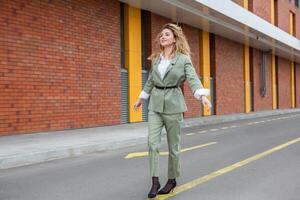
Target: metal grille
(124, 96)
(263, 74)
(145, 105)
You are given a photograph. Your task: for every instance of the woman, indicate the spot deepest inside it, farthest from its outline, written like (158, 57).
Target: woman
(170, 68)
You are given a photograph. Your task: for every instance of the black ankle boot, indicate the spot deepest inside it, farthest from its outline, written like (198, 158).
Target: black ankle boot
(170, 185)
(155, 187)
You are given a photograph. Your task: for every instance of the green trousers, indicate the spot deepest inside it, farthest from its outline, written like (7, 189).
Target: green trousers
(172, 123)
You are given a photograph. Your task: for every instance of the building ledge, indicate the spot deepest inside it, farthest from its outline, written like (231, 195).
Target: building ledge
(241, 25)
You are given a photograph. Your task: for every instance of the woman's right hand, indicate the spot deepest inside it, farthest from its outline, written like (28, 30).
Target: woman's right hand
(138, 104)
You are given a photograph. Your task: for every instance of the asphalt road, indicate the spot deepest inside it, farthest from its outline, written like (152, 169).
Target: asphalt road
(255, 159)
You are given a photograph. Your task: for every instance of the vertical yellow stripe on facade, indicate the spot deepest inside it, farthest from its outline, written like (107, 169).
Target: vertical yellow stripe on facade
(245, 4)
(292, 74)
(247, 77)
(272, 12)
(291, 23)
(133, 59)
(292, 84)
(273, 62)
(274, 89)
(205, 62)
(247, 70)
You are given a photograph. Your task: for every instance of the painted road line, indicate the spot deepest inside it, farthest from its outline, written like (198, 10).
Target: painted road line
(190, 134)
(144, 154)
(233, 126)
(225, 170)
(226, 127)
(204, 131)
(197, 147)
(213, 129)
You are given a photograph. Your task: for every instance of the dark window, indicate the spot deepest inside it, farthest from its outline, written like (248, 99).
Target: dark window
(276, 12)
(297, 3)
(143, 36)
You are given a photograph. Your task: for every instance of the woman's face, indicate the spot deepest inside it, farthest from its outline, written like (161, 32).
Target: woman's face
(166, 38)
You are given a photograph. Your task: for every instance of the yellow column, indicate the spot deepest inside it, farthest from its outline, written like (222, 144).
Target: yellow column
(133, 60)
(274, 93)
(247, 70)
(292, 84)
(273, 63)
(247, 78)
(245, 4)
(272, 12)
(205, 63)
(291, 23)
(292, 75)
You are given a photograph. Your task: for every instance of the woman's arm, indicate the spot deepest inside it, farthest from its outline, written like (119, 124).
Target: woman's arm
(149, 84)
(195, 84)
(145, 92)
(192, 77)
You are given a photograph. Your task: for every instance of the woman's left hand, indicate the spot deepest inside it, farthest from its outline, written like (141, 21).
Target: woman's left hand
(206, 103)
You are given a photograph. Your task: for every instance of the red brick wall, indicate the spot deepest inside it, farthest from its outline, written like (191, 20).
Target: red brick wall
(261, 9)
(284, 85)
(59, 65)
(157, 22)
(229, 76)
(297, 80)
(193, 38)
(284, 8)
(297, 17)
(193, 105)
(261, 103)
(239, 2)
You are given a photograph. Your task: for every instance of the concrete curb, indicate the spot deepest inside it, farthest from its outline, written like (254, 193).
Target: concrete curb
(21, 150)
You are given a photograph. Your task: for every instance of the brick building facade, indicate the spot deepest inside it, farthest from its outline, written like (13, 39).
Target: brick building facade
(60, 64)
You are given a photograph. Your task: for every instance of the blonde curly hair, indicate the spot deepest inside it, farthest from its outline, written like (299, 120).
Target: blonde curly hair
(181, 44)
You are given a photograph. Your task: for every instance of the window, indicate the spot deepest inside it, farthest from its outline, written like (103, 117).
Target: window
(297, 3)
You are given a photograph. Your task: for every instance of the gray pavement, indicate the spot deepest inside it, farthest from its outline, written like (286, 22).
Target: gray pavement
(21, 150)
(112, 175)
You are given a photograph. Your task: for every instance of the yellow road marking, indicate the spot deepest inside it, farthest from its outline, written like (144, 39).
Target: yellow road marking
(204, 131)
(190, 134)
(144, 154)
(222, 171)
(226, 127)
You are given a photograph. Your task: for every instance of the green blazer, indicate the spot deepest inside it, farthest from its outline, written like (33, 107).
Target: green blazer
(171, 100)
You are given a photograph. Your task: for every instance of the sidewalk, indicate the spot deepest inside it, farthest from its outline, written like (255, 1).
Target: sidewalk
(21, 150)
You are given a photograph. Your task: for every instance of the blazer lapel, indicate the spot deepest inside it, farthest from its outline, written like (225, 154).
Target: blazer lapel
(156, 65)
(172, 63)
